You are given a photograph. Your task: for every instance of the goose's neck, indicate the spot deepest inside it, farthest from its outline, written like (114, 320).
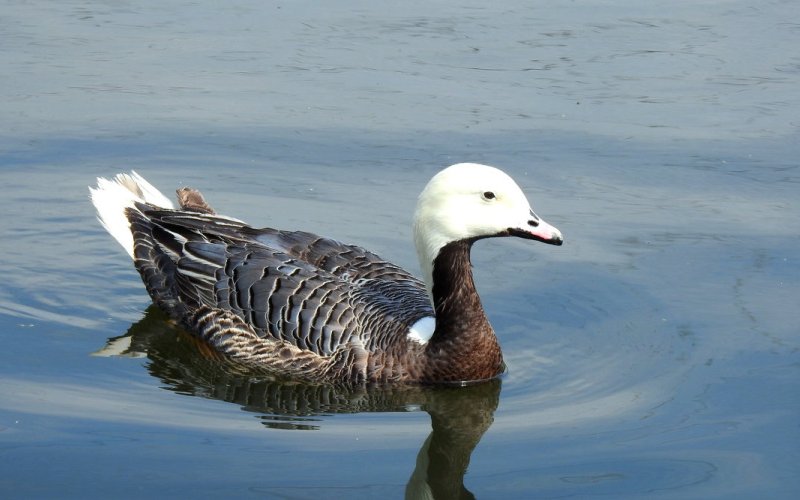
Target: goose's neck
(463, 345)
(455, 298)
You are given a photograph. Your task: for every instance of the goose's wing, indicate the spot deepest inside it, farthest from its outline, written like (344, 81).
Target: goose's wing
(350, 262)
(276, 295)
(217, 262)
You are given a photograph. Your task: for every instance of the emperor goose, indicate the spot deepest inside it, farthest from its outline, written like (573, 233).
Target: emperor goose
(312, 308)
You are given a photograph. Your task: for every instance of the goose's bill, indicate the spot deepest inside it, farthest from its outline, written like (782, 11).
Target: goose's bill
(543, 232)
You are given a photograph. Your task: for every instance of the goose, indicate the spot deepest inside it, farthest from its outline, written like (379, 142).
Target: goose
(312, 308)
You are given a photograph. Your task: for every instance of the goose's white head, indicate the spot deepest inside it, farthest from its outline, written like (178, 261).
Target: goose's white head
(469, 201)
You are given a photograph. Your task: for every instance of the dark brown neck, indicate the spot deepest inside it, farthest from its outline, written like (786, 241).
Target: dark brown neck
(463, 346)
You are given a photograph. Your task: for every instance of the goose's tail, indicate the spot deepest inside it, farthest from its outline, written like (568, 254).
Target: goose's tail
(112, 197)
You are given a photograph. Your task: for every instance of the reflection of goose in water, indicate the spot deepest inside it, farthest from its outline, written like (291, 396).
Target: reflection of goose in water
(317, 309)
(459, 415)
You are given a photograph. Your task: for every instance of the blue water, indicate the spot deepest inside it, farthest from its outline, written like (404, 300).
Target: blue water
(654, 355)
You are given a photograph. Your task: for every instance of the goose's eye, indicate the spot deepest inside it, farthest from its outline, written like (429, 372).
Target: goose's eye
(488, 195)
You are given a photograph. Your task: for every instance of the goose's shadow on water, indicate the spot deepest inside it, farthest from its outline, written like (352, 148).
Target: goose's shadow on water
(459, 415)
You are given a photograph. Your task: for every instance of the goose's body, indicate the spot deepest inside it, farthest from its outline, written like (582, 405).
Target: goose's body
(313, 308)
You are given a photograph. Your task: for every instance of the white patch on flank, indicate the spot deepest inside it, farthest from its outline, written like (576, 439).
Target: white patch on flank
(422, 330)
(112, 197)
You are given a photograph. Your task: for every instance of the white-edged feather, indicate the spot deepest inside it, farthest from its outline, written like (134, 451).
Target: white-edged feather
(112, 197)
(422, 330)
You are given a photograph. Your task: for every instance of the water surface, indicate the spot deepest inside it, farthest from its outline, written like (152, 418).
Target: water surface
(655, 354)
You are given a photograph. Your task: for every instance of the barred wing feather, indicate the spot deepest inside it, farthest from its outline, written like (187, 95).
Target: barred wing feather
(312, 292)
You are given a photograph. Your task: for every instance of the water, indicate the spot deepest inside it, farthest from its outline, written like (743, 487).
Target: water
(655, 354)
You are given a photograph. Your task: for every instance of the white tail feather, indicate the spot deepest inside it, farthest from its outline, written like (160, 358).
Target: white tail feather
(112, 197)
